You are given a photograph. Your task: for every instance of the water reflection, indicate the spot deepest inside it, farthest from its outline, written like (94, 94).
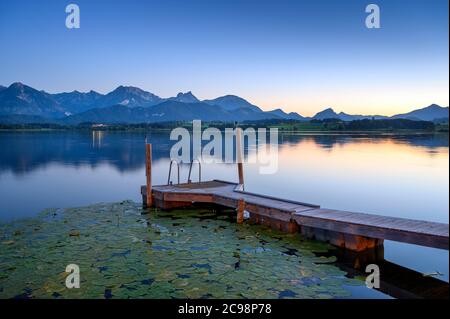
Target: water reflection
(97, 139)
(396, 281)
(402, 175)
(23, 152)
(329, 141)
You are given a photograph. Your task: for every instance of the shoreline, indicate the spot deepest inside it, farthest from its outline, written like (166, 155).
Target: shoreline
(384, 131)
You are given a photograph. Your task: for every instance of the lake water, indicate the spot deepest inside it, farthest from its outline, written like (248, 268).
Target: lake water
(397, 175)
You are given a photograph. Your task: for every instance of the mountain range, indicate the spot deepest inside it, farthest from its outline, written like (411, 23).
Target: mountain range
(20, 103)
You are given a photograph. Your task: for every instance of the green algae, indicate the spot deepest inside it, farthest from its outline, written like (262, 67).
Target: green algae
(124, 253)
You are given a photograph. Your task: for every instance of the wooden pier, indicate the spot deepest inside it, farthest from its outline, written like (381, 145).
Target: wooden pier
(354, 231)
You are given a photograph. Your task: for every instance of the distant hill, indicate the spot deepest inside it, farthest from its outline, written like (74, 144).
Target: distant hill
(429, 113)
(441, 120)
(24, 104)
(129, 96)
(20, 99)
(187, 97)
(328, 113)
(232, 102)
(78, 107)
(163, 112)
(287, 116)
(76, 102)
(348, 117)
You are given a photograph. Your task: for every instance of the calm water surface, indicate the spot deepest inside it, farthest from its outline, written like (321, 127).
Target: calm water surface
(396, 175)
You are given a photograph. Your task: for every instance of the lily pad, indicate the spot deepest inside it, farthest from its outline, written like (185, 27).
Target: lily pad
(125, 252)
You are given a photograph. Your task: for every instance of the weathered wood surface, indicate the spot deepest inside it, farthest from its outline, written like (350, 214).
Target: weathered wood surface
(240, 211)
(391, 228)
(307, 215)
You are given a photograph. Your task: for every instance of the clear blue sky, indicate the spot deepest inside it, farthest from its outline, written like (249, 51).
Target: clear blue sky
(299, 55)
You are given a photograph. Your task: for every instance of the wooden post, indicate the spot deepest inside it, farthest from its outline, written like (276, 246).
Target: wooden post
(148, 173)
(240, 211)
(240, 156)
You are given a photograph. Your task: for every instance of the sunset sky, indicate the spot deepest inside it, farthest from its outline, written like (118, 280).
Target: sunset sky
(301, 56)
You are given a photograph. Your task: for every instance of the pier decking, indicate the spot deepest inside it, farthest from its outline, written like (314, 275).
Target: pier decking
(354, 231)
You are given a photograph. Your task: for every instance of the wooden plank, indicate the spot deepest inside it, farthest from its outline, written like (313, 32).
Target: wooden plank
(379, 221)
(224, 201)
(180, 197)
(430, 239)
(301, 204)
(277, 204)
(269, 212)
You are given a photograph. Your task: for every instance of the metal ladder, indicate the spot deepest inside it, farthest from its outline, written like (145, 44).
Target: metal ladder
(199, 171)
(169, 182)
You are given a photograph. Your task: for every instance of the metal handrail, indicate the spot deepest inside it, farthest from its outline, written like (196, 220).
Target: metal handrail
(170, 172)
(199, 171)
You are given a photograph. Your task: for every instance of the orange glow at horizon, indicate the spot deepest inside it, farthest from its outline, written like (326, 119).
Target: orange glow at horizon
(380, 102)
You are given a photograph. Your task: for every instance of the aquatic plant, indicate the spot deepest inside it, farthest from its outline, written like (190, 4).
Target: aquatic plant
(122, 252)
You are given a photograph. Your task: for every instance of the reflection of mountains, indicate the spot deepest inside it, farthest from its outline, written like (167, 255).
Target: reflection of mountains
(23, 152)
(430, 141)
